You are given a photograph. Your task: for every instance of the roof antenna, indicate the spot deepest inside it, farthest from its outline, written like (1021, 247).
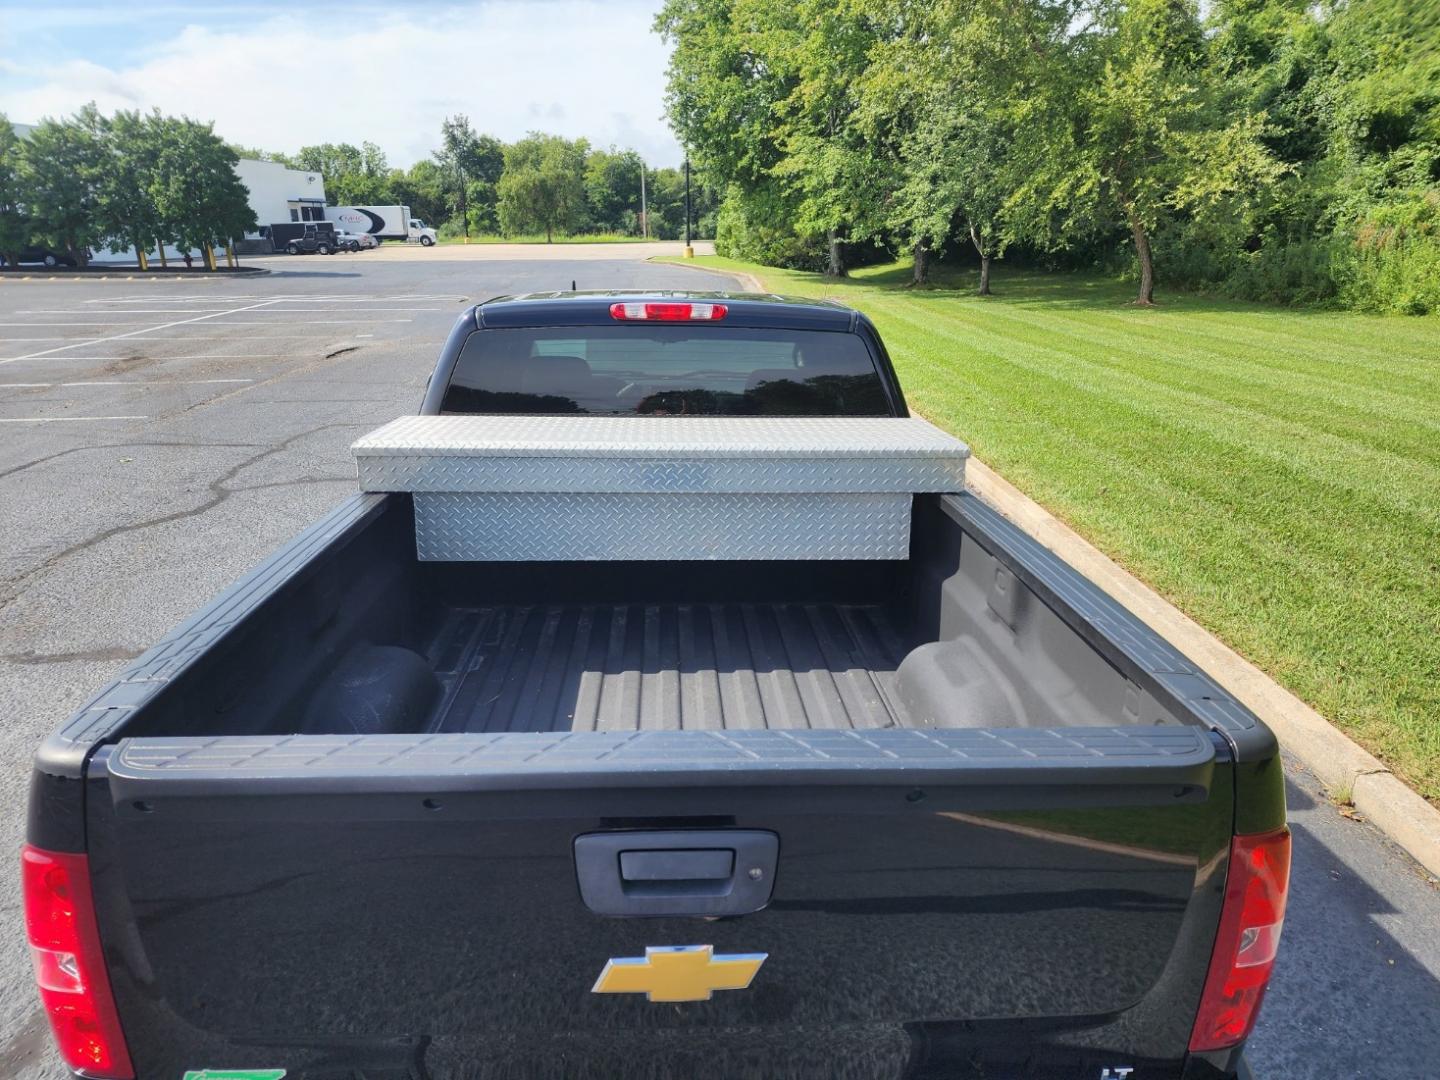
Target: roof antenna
(572, 286)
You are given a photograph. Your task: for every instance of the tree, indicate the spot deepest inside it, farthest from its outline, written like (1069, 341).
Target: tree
(353, 175)
(720, 95)
(198, 195)
(839, 172)
(467, 159)
(954, 171)
(1133, 128)
(59, 175)
(329, 159)
(422, 188)
(722, 98)
(126, 215)
(543, 186)
(612, 189)
(943, 86)
(765, 94)
(14, 221)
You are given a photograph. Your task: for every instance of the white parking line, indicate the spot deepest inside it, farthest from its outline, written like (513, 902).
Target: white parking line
(191, 356)
(225, 311)
(287, 298)
(306, 322)
(61, 419)
(167, 338)
(117, 337)
(125, 382)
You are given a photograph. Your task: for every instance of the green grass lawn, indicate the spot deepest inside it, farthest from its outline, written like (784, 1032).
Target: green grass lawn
(1274, 473)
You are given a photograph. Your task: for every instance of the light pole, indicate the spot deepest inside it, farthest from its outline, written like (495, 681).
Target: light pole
(689, 248)
(644, 216)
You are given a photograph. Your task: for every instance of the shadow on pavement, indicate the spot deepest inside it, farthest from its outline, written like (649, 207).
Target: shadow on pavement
(1356, 991)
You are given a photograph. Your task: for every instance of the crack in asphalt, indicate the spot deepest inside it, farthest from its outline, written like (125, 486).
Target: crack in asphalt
(125, 446)
(304, 482)
(219, 492)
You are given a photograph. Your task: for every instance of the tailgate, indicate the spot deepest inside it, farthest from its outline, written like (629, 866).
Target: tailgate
(937, 903)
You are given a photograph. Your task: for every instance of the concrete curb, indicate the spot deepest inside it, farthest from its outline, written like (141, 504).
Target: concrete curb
(241, 273)
(749, 282)
(1340, 763)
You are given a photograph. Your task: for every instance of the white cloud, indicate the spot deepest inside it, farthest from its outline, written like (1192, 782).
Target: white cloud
(570, 67)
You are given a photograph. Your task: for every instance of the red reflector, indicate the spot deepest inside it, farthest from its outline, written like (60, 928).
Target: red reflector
(1246, 943)
(668, 312)
(69, 968)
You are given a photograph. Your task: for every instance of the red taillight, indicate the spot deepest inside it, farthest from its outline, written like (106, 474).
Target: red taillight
(668, 312)
(1245, 946)
(69, 969)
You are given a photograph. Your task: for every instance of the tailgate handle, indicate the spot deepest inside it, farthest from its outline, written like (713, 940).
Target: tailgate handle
(671, 867)
(690, 872)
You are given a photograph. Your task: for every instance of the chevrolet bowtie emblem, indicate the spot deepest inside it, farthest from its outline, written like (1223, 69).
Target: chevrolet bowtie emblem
(678, 973)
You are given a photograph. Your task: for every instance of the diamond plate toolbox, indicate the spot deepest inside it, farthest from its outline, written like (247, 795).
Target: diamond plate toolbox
(551, 526)
(512, 488)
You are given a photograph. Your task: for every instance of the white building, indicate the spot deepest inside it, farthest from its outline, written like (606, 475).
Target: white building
(278, 193)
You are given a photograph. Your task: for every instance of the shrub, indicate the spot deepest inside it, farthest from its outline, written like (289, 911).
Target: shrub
(1295, 271)
(754, 226)
(1392, 259)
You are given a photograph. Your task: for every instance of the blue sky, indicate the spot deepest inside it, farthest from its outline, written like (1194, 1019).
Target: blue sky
(573, 67)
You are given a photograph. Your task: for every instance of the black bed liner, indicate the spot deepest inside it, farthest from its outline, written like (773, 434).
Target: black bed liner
(666, 666)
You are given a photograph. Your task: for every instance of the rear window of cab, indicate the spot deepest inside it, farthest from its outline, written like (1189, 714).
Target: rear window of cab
(665, 370)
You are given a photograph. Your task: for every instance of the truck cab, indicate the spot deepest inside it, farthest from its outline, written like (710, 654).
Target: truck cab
(421, 233)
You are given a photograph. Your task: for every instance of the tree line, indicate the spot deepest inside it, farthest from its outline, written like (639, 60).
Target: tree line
(132, 180)
(1286, 150)
(475, 184)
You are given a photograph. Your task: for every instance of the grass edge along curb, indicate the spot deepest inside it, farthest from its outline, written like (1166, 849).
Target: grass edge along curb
(1340, 763)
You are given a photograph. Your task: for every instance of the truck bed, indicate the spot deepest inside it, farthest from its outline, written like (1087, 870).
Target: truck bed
(666, 666)
(375, 641)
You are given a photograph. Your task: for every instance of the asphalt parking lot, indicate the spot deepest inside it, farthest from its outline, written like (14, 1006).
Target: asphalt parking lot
(158, 437)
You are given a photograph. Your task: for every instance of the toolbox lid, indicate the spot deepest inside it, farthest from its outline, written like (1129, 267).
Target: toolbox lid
(660, 454)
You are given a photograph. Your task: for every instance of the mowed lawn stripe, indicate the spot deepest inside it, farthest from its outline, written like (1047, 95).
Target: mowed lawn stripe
(1274, 473)
(1386, 473)
(1399, 456)
(1234, 359)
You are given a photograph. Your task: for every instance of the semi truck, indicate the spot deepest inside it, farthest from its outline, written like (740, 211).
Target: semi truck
(382, 222)
(663, 704)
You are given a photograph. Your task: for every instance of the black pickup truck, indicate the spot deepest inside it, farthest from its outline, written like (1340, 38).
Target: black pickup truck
(612, 733)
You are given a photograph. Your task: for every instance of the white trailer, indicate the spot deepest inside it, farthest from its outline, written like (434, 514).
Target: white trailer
(381, 222)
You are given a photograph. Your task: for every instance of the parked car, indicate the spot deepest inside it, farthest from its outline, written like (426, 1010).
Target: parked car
(664, 705)
(350, 241)
(40, 256)
(312, 241)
